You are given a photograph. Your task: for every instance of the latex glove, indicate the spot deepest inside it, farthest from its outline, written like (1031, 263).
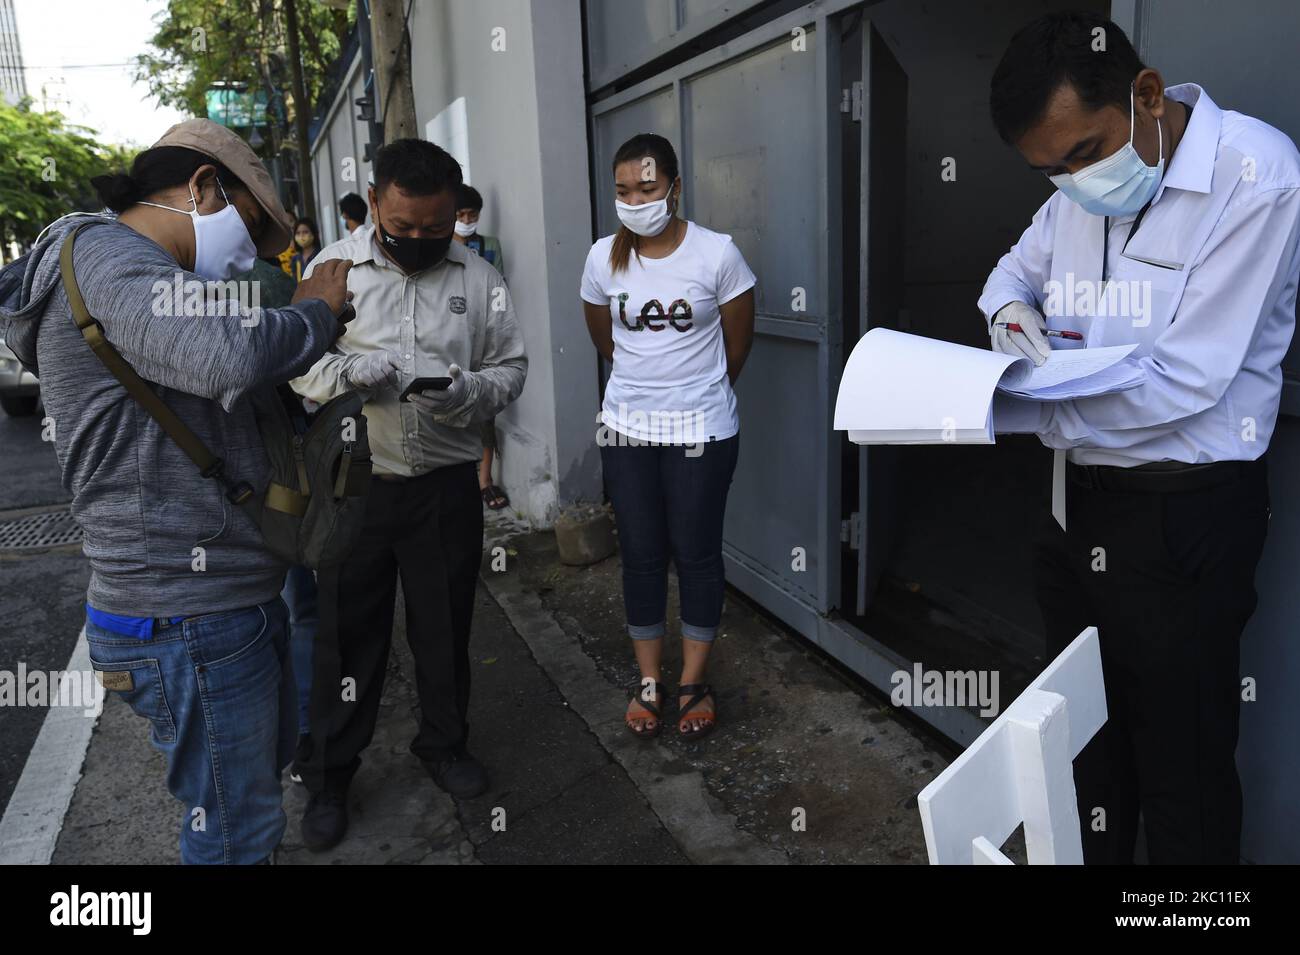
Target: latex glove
(371, 369)
(1030, 342)
(449, 399)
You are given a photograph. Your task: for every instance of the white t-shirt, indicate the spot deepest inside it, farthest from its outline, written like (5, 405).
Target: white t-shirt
(669, 384)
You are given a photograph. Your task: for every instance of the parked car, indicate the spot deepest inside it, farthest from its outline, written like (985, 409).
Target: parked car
(20, 392)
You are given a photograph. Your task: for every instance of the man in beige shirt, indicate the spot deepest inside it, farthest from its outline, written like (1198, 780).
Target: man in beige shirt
(426, 308)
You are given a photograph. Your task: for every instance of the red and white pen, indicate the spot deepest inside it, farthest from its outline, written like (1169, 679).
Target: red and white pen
(1050, 333)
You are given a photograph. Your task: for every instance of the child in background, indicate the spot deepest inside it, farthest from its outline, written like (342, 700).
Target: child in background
(469, 206)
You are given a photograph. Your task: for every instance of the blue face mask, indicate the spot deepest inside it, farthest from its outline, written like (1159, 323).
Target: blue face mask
(1119, 185)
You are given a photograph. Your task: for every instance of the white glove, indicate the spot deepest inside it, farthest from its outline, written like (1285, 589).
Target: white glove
(445, 401)
(1030, 342)
(371, 369)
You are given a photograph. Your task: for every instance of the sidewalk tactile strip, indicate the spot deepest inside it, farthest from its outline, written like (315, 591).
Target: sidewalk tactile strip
(51, 529)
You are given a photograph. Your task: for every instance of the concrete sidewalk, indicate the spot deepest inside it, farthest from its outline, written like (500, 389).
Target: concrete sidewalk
(569, 785)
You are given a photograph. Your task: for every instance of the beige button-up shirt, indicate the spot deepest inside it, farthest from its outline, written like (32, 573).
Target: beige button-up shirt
(456, 312)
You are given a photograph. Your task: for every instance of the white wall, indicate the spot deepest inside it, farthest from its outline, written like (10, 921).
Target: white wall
(526, 136)
(525, 130)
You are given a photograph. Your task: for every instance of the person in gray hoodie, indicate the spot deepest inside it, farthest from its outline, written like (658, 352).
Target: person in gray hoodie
(183, 614)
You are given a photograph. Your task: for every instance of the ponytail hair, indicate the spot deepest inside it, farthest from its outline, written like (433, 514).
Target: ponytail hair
(153, 171)
(641, 146)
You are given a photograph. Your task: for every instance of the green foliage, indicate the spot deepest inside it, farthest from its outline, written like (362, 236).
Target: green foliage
(45, 170)
(205, 42)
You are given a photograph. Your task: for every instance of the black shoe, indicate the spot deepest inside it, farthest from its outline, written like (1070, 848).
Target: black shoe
(462, 776)
(325, 820)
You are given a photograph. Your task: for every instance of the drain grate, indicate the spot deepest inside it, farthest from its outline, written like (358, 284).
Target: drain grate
(51, 529)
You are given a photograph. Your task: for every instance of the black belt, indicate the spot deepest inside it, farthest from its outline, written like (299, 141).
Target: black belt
(403, 478)
(1162, 477)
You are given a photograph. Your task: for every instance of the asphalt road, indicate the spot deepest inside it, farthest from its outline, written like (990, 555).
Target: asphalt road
(42, 593)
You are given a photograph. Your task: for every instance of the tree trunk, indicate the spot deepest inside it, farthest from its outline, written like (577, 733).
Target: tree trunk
(395, 99)
(301, 112)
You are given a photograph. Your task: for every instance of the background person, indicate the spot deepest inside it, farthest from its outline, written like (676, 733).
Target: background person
(352, 210)
(469, 210)
(306, 242)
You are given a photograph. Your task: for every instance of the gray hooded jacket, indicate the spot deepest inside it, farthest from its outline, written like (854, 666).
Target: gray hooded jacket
(162, 540)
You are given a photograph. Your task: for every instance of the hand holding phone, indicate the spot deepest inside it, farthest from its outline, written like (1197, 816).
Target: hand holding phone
(425, 384)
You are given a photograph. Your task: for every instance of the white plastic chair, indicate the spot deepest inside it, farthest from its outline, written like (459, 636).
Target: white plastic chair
(1020, 770)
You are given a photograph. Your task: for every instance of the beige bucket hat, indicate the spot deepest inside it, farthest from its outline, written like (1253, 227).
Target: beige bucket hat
(228, 148)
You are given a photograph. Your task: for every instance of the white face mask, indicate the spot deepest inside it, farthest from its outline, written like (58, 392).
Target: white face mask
(222, 246)
(1119, 185)
(466, 229)
(646, 219)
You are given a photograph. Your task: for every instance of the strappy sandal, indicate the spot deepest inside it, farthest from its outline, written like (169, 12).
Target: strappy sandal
(699, 693)
(653, 710)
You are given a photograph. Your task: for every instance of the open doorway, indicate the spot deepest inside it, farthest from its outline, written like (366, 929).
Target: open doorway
(938, 540)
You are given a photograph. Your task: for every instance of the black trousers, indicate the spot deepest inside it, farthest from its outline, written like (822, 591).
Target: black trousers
(1177, 588)
(428, 529)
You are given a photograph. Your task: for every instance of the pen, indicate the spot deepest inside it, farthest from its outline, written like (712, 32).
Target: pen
(1050, 333)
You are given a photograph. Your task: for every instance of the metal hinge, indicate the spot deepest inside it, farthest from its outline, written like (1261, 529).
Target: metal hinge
(852, 531)
(851, 101)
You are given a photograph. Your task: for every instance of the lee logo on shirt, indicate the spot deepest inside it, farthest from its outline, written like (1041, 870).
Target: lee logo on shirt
(457, 304)
(678, 315)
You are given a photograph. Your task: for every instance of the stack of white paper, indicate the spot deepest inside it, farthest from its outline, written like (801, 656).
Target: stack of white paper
(906, 389)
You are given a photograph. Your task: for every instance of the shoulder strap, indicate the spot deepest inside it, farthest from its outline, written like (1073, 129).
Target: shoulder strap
(209, 465)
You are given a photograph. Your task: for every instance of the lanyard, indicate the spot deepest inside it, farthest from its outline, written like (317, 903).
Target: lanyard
(1105, 237)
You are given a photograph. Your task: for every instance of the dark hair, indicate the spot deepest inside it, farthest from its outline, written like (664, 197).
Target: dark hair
(310, 223)
(640, 146)
(1051, 51)
(154, 170)
(417, 166)
(354, 207)
(467, 197)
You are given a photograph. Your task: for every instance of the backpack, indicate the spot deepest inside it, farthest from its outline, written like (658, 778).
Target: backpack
(312, 509)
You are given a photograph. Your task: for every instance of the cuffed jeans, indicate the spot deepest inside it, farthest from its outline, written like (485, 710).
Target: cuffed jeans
(669, 501)
(218, 692)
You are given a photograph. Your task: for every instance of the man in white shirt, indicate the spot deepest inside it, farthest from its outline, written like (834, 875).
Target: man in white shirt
(352, 210)
(1175, 227)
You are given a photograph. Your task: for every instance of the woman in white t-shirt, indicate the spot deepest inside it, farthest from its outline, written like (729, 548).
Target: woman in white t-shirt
(671, 304)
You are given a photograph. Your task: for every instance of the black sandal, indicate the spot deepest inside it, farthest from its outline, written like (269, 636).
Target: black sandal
(653, 709)
(699, 693)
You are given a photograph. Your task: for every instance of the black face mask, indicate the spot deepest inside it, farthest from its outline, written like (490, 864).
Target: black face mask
(411, 253)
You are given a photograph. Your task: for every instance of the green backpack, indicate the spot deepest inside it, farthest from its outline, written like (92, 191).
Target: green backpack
(312, 509)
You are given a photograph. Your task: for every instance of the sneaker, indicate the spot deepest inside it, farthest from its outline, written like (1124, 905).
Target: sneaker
(325, 820)
(462, 776)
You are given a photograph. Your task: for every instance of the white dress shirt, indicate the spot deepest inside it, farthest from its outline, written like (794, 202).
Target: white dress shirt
(1206, 289)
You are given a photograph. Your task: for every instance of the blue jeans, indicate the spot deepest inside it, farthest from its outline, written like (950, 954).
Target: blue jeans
(669, 500)
(300, 597)
(218, 692)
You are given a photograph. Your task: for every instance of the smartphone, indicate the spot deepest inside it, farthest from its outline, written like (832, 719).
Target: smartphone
(425, 384)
